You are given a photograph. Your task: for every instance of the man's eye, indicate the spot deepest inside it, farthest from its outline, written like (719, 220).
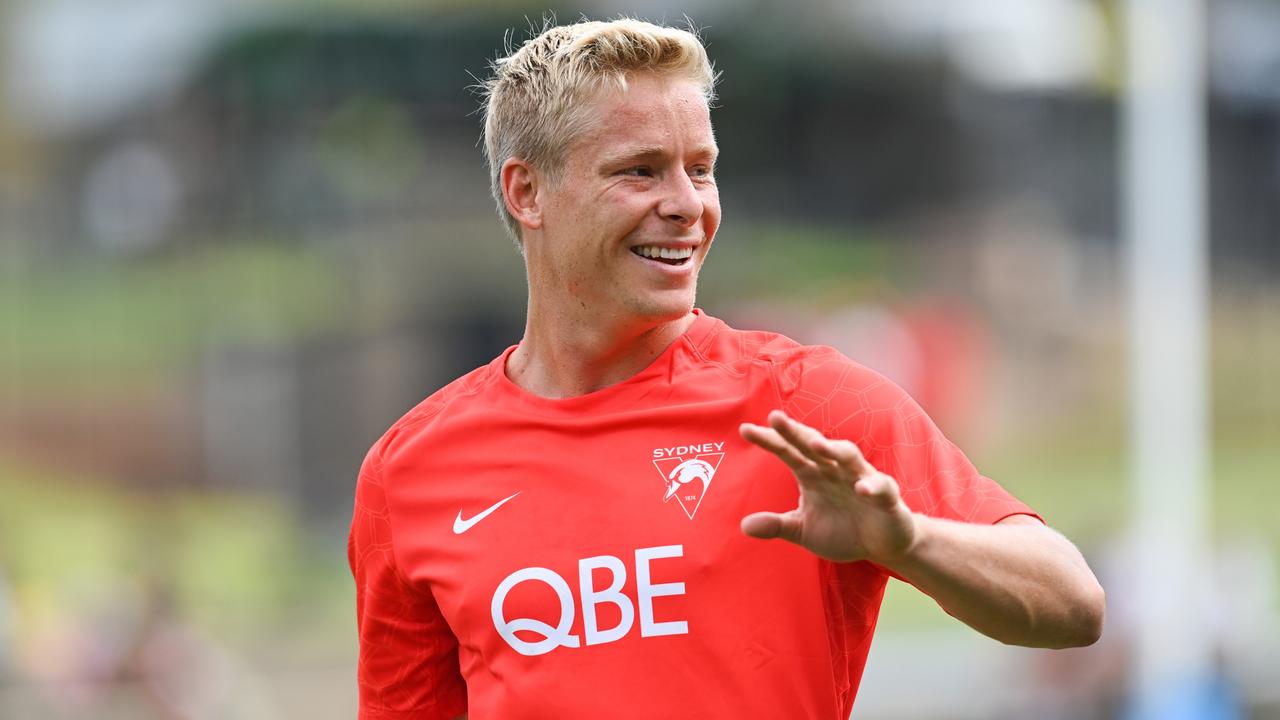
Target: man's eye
(638, 171)
(700, 171)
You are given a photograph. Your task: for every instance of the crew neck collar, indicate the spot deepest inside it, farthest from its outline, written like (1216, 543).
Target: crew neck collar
(690, 339)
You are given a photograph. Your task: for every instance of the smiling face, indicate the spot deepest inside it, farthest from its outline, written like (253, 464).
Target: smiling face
(630, 216)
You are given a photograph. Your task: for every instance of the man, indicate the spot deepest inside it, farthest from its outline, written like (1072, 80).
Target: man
(573, 530)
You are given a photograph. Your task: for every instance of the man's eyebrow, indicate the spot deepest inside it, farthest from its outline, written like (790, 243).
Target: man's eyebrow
(633, 155)
(649, 152)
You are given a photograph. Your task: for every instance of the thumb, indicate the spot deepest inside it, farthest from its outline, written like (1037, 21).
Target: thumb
(767, 525)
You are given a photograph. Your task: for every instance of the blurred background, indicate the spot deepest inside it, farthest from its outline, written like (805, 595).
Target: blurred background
(238, 239)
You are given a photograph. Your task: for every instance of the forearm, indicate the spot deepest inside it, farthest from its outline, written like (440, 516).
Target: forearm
(1022, 584)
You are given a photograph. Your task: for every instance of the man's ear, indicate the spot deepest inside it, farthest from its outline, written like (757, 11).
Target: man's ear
(521, 184)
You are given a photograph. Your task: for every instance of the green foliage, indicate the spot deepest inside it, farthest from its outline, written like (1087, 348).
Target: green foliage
(798, 263)
(119, 321)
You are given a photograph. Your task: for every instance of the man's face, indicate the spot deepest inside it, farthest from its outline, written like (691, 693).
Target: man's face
(637, 186)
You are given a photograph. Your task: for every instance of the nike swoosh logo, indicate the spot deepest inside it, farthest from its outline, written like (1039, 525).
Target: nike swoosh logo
(460, 526)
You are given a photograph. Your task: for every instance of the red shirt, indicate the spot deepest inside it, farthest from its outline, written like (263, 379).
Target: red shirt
(523, 557)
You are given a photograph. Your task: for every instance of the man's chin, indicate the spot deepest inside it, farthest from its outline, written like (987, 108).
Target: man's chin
(662, 310)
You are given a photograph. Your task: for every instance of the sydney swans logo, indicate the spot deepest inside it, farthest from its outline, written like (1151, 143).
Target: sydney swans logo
(687, 471)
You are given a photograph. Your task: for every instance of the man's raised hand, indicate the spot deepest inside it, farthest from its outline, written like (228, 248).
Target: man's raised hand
(848, 510)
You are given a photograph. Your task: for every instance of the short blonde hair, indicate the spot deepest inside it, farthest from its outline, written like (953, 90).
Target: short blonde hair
(534, 103)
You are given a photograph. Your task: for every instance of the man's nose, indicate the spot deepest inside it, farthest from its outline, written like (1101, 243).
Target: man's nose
(681, 202)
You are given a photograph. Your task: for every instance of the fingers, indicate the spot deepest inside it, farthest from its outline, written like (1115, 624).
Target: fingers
(770, 440)
(878, 489)
(801, 436)
(807, 443)
(849, 457)
(767, 525)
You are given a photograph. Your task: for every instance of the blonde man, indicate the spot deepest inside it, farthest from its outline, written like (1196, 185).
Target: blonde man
(572, 530)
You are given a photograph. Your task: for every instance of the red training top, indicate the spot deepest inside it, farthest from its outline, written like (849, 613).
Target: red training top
(522, 557)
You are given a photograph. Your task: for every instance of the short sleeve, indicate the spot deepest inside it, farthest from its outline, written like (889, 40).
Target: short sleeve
(824, 389)
(408, 657)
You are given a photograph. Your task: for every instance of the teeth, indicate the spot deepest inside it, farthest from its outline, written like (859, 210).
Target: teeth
(653, 251)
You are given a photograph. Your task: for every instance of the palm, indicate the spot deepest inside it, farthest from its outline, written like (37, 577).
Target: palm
(847, 510)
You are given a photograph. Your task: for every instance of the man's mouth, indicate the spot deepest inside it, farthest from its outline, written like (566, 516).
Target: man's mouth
(669, 256)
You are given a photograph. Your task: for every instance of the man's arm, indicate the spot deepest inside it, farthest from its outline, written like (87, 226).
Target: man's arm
(1017, 581)
(408, 656)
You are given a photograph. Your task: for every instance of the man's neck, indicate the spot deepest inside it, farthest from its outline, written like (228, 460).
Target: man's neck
(562, 358)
